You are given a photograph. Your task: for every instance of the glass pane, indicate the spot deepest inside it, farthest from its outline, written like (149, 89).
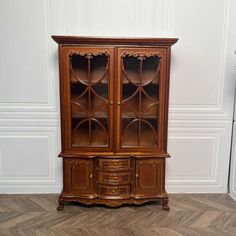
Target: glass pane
(89, 100)
(140, 101)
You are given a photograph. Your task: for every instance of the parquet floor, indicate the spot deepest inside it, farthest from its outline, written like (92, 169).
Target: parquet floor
(190, 214)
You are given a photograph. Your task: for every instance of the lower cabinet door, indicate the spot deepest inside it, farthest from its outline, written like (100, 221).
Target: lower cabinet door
(79, 177)
(149, 177)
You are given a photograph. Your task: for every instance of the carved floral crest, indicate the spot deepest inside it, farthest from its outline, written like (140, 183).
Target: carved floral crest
(140, 55)
(88, 54)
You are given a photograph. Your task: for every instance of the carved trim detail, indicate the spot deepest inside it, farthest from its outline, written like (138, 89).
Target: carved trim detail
(107, 202)
(80, 163)
(88, 54)
(112, 202)
(149, 163)
(140, 55)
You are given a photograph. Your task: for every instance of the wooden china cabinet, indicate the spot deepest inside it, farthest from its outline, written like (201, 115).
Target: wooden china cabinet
(114, 113)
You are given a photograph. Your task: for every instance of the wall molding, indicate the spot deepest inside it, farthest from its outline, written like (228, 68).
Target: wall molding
(53, 178)
(74, 20)
(217, 179)
(37, 107)
(203, 111)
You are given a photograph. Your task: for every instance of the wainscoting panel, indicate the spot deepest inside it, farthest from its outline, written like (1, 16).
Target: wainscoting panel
(199, 162)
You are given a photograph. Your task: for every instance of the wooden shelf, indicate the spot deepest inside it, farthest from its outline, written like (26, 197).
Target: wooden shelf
(81, 106)
(130, 138)
(81, 137)
(81, 76)
(149, 108)
(134, 76)
(100, 115)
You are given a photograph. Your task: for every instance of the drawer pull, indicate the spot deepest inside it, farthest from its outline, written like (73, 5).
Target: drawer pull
(115, 177)
(115, 164)
(91, 176)
(136, 175)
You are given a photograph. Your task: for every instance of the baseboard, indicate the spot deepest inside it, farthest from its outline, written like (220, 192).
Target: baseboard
(233, 195)
(29, 189)
(195, 189)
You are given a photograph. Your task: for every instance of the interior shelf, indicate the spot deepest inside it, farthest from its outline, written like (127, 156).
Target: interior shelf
(81, 139)
(100, 115)
(147, 138)
(87, 132)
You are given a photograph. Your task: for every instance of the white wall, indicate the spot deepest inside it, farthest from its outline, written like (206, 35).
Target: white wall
(201, 96)
(232, 38)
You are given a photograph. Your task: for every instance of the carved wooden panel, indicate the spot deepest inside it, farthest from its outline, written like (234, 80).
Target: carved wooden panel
(149, 176)
(79, 176)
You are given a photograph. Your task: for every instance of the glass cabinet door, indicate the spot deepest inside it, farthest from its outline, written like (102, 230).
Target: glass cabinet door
(90, 81)
(139, 98)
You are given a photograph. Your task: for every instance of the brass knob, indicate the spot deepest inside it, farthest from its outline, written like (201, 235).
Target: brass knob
(113, 191)
(136, 175)
(118, 103)
(115, 178)
(91, 176)
(115, 164)
(111, 102)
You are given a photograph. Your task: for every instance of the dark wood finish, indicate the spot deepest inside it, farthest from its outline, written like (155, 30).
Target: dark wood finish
(79, 177)
(61, 39)
(113, 164)
(114, 117)
(113, 178)
(114, 192)
(149, 177)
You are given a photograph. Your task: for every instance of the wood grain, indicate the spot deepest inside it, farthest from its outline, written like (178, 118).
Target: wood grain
(112, 121)
(191, 214)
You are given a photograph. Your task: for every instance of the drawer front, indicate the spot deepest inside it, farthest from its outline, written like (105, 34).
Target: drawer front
(113, 164)
(113, 178)
(114, 191)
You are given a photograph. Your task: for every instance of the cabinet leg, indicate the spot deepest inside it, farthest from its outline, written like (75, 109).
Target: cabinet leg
(165, 204)
(60, 206)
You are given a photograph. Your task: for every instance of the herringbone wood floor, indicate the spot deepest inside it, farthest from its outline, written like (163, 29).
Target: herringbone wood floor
(190, 214)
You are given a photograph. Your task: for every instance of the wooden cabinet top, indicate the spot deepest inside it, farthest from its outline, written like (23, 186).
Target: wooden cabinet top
(114, 41)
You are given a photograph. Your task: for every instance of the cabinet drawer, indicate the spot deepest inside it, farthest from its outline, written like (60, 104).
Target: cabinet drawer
(114, 191)
(113, 178)
(113, 164)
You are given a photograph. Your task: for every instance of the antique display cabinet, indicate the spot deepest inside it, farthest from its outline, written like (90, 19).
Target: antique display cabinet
(114, 118)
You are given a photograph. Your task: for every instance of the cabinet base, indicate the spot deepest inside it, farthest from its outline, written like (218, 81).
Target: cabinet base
(112, 202)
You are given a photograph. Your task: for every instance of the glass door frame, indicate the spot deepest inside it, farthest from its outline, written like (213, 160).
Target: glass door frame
(163, 99)
(67, 116)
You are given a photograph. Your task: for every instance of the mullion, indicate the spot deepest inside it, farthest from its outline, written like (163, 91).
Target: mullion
(89, 96)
